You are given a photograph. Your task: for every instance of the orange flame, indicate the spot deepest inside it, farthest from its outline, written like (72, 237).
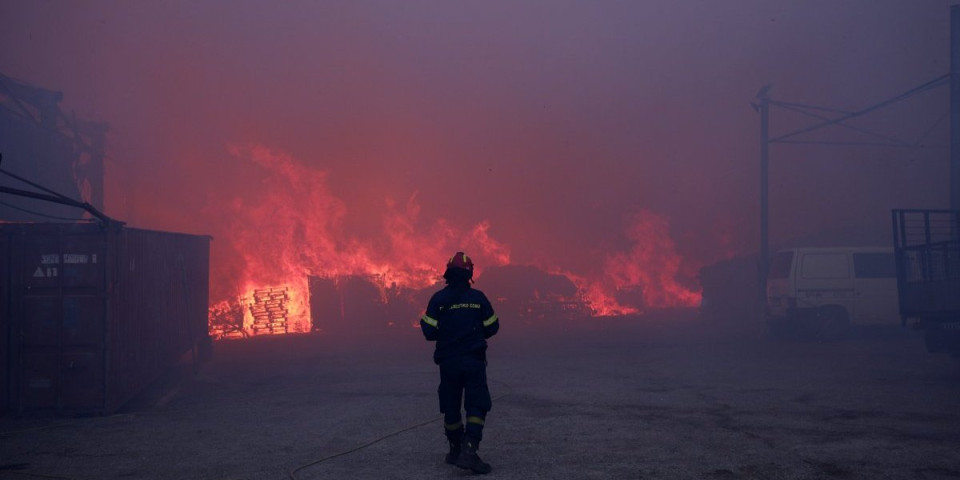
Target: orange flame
(291, 228)
(651, 266)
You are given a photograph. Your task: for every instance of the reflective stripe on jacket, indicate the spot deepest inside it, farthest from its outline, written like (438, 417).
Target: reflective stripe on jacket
(459, 319)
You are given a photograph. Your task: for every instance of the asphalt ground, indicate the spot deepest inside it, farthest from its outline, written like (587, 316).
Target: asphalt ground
(668, 396)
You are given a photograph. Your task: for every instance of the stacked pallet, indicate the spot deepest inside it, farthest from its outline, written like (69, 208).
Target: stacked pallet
(269, 311)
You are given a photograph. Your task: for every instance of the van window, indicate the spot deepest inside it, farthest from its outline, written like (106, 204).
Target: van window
(780, 265)
(824, 265)
(874, 265)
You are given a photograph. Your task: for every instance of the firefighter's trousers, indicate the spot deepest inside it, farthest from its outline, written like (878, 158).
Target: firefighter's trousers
(463, 380)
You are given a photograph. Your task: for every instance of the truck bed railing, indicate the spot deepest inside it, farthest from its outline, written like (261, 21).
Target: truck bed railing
(932, 262)
(925, 227)
(927, 251)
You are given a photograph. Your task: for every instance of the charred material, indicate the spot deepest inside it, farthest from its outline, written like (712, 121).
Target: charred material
(226, 319)
(531, 295)
(360, 304)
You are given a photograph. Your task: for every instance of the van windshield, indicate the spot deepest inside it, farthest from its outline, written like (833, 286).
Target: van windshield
(780, 265)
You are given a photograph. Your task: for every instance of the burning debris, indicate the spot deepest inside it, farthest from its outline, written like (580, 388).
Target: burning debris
(362, 303)
(333, 281)
(529, 294)
(264, 311)
(226, 319)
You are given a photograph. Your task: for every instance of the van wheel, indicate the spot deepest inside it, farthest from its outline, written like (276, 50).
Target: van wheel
(833, 324)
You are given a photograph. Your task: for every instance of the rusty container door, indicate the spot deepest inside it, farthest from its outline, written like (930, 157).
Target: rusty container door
(158, 307)
(58, 307)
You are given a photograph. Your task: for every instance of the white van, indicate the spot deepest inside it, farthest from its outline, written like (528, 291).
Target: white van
(823, 291)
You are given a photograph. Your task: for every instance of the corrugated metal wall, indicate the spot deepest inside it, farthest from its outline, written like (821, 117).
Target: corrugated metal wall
(95, 314)
(159, 306)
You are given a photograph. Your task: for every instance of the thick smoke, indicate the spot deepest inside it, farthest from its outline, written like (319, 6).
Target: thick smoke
(585, 138)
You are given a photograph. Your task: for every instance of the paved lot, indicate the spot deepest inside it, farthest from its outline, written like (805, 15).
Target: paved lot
(656, 398)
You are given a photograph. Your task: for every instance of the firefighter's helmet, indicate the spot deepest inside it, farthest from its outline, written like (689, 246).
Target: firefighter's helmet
(460, 260)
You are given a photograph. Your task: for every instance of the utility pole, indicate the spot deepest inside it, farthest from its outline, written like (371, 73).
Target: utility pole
(763, 264)
(955, 107)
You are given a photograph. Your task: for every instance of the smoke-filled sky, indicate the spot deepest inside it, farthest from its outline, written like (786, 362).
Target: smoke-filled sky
(554, 123)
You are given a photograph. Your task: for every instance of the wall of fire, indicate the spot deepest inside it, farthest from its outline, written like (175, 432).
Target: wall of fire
(356, 304)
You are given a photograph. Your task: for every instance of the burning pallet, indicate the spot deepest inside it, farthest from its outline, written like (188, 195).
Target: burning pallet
(226, 320)
(269, 311)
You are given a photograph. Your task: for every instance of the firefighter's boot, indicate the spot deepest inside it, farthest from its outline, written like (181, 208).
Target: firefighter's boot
(454, 439)
(469, 460)
(453, 454)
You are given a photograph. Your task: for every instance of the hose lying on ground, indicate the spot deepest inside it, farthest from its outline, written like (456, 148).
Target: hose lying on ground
(293, 473)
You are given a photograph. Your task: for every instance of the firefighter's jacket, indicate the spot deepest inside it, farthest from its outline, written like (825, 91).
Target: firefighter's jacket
(459, 319)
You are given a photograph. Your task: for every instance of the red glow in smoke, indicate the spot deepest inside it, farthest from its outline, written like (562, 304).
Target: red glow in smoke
(646, 276)
(652, 264)
(290, 226)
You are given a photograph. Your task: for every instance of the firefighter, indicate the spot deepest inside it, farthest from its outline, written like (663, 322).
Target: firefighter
(460, 319)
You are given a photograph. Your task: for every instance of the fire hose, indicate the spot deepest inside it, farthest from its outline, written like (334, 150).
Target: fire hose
(434, 419)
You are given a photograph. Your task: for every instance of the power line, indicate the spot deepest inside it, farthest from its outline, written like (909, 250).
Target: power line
(909, 93)
(31, 212)
(893, 141)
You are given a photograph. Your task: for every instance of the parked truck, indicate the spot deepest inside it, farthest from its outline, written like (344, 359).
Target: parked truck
(927, 252)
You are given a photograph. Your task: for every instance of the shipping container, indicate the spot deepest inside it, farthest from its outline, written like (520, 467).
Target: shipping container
(93, 314)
